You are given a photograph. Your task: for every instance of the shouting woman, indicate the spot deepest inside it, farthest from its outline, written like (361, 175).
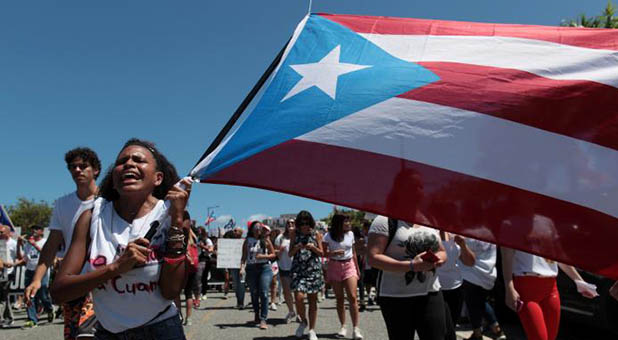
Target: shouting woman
(133, 279)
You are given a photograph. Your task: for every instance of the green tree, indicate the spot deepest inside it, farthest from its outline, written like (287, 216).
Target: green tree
(27, 213)
(356, 217)
(607, 19)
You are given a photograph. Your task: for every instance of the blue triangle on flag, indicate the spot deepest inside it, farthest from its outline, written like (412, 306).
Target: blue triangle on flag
(277, 118)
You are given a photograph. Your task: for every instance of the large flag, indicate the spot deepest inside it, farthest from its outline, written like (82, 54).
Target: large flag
(506, 133)
(5, 219)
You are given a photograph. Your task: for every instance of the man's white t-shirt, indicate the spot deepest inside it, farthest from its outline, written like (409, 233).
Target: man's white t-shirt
(32, 254)
(67, 210)
(392, 284)
(346, 245)
(11, 246)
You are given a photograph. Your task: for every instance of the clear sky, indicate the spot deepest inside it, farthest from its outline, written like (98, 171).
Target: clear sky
(85, 73)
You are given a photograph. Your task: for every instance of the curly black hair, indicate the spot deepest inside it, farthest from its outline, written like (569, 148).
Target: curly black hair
(87, 155)
(170, 176)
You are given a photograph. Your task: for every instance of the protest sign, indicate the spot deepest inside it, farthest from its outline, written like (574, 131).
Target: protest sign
(229, 253)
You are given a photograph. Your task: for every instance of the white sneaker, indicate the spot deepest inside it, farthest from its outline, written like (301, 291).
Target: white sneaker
(312, 335)
(343, 332)
(273, 307)
(357, 334)
(300, 331)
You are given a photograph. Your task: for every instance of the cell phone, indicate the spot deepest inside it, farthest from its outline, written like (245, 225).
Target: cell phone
(429, 256)
(519, 305)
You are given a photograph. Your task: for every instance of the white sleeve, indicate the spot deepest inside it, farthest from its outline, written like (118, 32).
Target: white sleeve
(209, 243)
(379, 226)
(54, 223)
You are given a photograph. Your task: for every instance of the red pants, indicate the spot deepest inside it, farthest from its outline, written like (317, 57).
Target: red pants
(540, 314)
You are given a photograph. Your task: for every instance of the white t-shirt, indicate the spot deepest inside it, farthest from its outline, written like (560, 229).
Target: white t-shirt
(67, 210)
(526, 264)
(134, 298)
(346, 244)
(254, 248)
(32, 254)
(393, 284)
(483, 273)
(11, 246)
(449, 273)
(285, 261)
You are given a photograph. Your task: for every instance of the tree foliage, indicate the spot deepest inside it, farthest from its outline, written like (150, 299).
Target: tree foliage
(27, 213)
(607, 19)
(356, 217)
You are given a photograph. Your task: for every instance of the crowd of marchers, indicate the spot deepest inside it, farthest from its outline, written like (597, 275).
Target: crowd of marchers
(130, 242)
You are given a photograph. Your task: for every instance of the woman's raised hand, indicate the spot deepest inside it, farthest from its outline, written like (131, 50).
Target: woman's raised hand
(178, 198)
(136, 253)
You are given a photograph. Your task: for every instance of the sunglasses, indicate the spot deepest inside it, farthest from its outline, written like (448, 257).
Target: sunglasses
(80, 166)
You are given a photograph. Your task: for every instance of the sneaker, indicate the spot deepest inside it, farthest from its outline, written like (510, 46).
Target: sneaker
(362, 308)
(188, 322)
(225, 296)
(343, 332)
(29, 324)
(204, 298)
(357, 334)
(371, 302)
(240, 307)
(300, 331)
(263, 325)
(273, 307)
(8, 323)
(51, 316)
(312, 335)
(291, 316)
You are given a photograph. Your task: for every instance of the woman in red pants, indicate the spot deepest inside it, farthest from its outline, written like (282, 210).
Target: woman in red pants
(531, 291)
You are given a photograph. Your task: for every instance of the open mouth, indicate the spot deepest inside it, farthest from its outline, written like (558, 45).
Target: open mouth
(129, 177)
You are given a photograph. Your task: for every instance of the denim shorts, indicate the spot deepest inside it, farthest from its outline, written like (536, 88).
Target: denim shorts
(168, 329)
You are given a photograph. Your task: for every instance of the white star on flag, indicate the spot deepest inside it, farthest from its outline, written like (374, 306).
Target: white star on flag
(322, 74)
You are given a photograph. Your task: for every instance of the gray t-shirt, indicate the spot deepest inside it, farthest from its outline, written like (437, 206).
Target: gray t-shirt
(395, 284)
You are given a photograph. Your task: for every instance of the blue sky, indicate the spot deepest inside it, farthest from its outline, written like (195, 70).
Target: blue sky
(84, 73)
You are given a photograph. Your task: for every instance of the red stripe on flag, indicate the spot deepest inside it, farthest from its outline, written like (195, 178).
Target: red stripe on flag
(583, 37)
(580, 109)
(455, 202)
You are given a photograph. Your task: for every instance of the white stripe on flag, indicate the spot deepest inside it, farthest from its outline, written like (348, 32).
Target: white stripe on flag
(546, 59)
(484, 147)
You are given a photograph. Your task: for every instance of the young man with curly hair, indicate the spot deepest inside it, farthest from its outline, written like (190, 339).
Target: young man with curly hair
(84, 166)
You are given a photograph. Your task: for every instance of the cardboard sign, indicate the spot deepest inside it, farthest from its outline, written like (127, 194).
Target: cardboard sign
(229, 252)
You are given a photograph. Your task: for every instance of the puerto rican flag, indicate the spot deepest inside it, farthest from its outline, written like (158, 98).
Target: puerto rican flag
(505, 133)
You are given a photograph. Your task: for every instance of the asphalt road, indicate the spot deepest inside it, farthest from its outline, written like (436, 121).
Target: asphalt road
(218, 319)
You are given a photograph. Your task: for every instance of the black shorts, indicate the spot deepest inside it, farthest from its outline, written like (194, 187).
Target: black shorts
(370, 276)
(190, 286)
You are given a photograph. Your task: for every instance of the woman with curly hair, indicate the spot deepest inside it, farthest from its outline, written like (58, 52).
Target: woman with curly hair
(307, 279)
(133, 279)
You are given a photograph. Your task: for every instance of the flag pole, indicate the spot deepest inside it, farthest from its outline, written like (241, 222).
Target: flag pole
(243, 106)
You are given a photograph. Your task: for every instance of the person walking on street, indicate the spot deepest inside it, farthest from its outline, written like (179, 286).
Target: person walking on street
(7, 270)
(134, 275)
(84, 166)
(343, 271)
(257, 252)
(282, 244)
(307, 278)
(31, 252)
